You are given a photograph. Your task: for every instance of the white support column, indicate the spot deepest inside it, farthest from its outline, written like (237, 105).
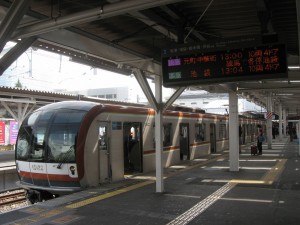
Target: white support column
(269, 120)
(284, 122)
(280, 122)
(233, 134)
(158, 136)
(298, 135)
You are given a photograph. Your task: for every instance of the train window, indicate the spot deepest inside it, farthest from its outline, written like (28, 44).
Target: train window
(37, 152)
(135, 133)
(61, 142)
(249, 128)
(222, 131)
(167, 132)
(45, 116)
(103, 137)
(32, 118)
(199, 132)
(23, 143)
(69, 117)
(62, 136)
(167, 129)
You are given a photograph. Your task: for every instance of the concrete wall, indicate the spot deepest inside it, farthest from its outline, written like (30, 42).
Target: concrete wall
(8, 178)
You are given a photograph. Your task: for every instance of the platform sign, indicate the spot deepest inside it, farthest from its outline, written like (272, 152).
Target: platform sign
(230, 65)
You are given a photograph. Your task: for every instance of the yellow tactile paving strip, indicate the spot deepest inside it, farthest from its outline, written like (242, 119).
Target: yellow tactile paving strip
(269, 177)
(273, 174)
(107, 195)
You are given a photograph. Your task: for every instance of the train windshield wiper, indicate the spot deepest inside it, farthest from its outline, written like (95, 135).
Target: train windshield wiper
(66, 156)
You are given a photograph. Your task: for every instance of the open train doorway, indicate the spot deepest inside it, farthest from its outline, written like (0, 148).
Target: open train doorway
(184, 141)
(212, 134)
(133, 151)
(105, 172)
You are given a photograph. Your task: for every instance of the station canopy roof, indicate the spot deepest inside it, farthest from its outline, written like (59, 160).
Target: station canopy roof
(122, 35)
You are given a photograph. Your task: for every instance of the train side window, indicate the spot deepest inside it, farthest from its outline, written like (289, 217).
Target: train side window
(103, 137)
(199, 132)
(135, 133)
(222, 130)
(167, 134)
(23, 143)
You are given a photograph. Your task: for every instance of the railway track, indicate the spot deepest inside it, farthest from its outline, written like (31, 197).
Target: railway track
(12, 199)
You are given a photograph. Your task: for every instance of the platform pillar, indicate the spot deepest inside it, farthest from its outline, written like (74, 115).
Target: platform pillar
(280, 122)
(158, 136)
(284, 122)
(298, 136)
(269, 120)
(233, 134)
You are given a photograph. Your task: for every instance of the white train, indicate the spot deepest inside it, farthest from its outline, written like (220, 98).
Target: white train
(67, 146)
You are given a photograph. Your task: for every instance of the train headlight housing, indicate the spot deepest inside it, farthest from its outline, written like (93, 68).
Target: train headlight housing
(72, 169)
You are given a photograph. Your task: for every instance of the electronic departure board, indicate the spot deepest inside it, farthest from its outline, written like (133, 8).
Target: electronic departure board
(254, 63)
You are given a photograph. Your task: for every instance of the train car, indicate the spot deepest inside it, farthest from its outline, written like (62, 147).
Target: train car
(67, 146)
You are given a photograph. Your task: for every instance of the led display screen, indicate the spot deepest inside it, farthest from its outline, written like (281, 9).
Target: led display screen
(253, 63)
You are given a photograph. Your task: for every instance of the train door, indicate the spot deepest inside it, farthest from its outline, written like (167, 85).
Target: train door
(184, 141)
(212, 132)
(133, 151)
(105, 172)
(245, 133)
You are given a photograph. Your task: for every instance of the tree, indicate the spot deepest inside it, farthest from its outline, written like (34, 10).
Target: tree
(18, 84)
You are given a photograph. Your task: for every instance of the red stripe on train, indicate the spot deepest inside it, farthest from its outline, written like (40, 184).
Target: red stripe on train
(50, 177)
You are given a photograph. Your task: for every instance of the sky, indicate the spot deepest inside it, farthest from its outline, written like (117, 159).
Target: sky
(42, 70)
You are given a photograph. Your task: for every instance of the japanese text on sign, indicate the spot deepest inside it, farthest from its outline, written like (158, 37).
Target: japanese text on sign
(235, 63)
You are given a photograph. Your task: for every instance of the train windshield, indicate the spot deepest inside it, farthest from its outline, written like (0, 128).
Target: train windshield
(30, 140)
(49, 136)
(23, 144)
(63, 135)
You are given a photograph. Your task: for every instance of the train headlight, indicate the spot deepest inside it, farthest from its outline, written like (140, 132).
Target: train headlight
(72, 169)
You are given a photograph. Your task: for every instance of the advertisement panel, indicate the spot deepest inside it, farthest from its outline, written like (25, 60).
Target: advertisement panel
(13, 132)
(2, 132)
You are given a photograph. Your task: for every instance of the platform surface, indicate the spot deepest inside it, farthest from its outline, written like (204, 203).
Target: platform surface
(265, 191)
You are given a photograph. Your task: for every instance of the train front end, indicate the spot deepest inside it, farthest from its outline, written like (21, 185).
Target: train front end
(46, 151)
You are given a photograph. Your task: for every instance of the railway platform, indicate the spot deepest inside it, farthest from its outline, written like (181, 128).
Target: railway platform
(265, 191)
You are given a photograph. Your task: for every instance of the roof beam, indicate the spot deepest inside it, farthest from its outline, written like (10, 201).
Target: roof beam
(173, 98)
(176, 17)
(264, 16)
(146, 88)
(15, 53)
(106, 11)
(11, 20)
(154, 25)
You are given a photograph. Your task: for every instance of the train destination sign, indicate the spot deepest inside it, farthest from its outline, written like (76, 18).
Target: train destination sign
(253, 63)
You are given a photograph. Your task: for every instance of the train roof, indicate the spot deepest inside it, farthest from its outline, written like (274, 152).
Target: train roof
(76, 105)
(127, 108)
